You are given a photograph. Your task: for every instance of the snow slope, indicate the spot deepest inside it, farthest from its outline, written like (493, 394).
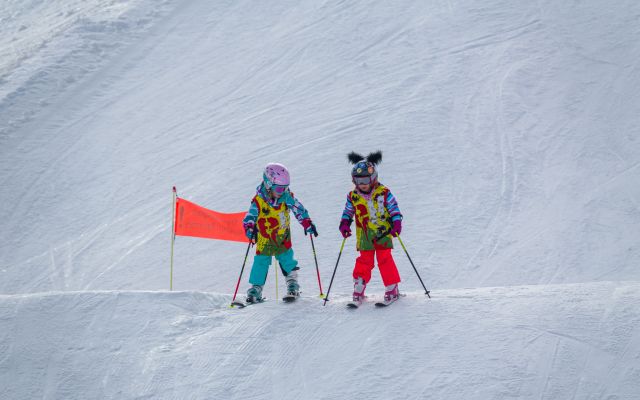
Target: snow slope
(552, 341)
(511, 134)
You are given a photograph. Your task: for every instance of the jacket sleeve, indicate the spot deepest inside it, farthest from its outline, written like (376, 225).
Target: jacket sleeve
(296, 206)
(349, 210)
(392, 207)
(252, 214)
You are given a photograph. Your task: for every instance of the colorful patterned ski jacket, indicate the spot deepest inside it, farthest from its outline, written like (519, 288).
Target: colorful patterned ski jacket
(374, 214)
(271, 217)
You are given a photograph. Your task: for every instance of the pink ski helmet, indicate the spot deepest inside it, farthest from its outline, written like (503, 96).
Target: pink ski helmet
(276, 178)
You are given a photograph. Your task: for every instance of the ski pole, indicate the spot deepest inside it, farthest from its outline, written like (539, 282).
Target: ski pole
(414, 267)
(313, 247)
(326, 298)
(246, 255)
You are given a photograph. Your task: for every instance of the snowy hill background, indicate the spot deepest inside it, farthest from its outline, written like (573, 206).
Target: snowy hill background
(511, 138)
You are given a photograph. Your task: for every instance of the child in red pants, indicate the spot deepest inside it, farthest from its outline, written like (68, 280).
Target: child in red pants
(378, 218)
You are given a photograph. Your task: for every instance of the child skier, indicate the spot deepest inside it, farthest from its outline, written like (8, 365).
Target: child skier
(267, 225)
(378, 218)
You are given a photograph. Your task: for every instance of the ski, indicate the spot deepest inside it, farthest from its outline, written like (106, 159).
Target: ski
(290, 298)
(354, 304)
(384, 303)
(241, 304)
(238, 303)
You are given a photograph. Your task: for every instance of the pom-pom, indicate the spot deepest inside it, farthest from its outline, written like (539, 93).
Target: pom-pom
(375, 158)
(354, 157)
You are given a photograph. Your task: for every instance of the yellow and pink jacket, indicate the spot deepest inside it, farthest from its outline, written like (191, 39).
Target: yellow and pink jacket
(374, 213)
(271, 217)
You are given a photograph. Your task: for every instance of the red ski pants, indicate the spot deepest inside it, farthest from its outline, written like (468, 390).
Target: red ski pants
(386, 265)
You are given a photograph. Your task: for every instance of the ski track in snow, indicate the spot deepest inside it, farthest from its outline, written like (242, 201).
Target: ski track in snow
(184, 342)
(510, 134)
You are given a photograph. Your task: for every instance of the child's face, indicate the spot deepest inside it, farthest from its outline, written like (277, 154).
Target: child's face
(364, 187)
(277, 191)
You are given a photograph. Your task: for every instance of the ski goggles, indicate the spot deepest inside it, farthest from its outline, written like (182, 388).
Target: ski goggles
(362, 180)
(279, 189)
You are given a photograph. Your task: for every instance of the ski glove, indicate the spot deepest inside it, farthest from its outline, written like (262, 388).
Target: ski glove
(345, 227)
(250, 230)
(396, 228)
(309, 227)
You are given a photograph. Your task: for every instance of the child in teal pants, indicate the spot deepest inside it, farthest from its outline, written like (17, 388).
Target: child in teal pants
(267, 224)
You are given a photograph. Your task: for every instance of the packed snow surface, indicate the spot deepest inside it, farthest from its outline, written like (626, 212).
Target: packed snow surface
(510, 134)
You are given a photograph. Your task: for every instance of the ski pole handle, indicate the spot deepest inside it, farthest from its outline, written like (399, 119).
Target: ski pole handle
(254, 234)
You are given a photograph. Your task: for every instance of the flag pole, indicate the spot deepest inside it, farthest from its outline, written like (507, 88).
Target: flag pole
(173, 234)
(276, 272)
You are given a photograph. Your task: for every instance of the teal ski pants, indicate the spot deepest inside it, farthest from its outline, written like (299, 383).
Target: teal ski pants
(262, 263)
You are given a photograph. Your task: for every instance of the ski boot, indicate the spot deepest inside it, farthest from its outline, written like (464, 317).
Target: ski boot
(358, 290)
(293, 288)
(254, 294)
(391, 293)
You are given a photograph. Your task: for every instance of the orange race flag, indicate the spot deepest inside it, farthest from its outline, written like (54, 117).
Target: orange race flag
(194, 220)
(190, 219)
